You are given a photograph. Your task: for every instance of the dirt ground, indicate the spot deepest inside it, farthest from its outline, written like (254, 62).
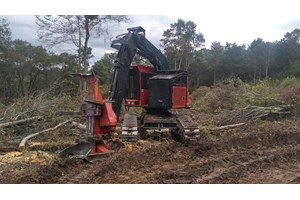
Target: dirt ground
(261, 152)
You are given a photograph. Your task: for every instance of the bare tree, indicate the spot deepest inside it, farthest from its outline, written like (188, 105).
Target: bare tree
(75, 29)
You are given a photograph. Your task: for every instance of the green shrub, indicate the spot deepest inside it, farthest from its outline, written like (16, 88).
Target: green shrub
(220, 96)
(199, 93)
(291, 95)
(260, 94)
(229, 95)
(288, 81)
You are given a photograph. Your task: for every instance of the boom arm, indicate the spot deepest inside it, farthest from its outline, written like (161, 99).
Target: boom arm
(128, 45)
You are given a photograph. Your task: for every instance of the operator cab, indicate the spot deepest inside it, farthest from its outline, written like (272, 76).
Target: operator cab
(137, 93)
(151, 90)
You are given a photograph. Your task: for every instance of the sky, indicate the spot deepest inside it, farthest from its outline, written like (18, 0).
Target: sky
(222, 21)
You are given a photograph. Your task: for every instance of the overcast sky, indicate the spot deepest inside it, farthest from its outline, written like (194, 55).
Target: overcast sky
(223, 21)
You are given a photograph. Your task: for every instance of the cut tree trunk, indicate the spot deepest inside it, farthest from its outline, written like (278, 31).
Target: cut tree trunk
(25, 139)
(78, 125)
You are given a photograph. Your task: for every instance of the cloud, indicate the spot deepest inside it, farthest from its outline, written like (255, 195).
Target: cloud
(153, 24)
(290, 25)
(239, 22)
(23, 27)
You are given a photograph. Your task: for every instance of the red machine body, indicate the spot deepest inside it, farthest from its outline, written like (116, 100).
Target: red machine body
(105, 119)
(101, 118)
(100, 121)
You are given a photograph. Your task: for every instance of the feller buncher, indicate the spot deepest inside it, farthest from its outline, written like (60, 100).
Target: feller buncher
(155, 88)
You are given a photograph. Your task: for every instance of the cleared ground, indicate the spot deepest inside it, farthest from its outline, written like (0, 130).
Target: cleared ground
(261, 152)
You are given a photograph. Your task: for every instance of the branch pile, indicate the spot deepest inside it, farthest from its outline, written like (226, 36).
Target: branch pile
(32, 116)
(255, 113)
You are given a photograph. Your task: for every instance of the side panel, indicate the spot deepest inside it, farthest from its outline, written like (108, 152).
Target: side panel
(160, 94)
(144, 97)
(144, 87)
(179, 97)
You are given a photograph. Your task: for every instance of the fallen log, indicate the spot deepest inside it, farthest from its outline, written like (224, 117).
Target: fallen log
(217, 130)
(8, 124)
(227, 127)
(25, 139)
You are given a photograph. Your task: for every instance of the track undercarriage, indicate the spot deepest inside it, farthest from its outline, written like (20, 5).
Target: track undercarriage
(180, 127)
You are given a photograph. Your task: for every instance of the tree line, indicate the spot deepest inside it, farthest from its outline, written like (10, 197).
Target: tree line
(27, 70)
(260, 60)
